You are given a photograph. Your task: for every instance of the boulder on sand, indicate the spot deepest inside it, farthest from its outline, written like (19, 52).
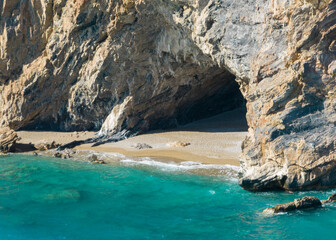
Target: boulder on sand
(8, 138)
(46, 146)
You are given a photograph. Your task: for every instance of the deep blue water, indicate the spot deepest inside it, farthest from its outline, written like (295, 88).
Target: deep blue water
(45, 198)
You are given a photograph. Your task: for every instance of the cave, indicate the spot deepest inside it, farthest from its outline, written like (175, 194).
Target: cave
(223, 95)
(218, 93)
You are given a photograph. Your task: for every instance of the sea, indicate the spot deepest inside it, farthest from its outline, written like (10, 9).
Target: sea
(43, 198)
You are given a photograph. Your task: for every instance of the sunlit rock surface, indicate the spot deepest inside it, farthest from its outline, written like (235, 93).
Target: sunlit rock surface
(138, 65)
(8, 138)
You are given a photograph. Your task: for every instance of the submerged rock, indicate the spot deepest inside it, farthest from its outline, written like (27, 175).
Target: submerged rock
(298, 204)
(58, 196)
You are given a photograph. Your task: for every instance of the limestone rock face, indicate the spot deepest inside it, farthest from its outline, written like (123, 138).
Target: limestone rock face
(8, 138)
(109, 65)
(136, 65)
(291, 102)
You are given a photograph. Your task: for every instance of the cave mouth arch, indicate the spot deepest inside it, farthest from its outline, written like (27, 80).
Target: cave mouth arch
(216, 95)
(227, 97)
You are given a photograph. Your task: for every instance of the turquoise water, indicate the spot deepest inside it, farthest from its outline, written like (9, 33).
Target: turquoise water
(44, 198)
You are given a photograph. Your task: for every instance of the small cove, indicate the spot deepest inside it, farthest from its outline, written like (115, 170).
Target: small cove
(47, 198)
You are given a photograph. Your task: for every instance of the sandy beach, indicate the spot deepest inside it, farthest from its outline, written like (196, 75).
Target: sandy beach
(214, 140)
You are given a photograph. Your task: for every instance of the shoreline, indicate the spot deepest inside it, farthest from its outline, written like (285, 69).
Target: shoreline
(215, 140)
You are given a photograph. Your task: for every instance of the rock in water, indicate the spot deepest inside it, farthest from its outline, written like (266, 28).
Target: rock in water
(307, 202)
(137, 65)
(63, 154)
(331, 199)
(94, 159)
(298, 204)
(285, 207)
(8, 138)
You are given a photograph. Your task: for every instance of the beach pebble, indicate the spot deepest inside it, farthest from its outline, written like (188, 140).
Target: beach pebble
(94, 159)
(64, 155)
(58, 155)
(46, 146)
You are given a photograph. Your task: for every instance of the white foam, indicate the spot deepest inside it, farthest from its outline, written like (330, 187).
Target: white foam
(229, 170)
(84, 155)
(219, 169)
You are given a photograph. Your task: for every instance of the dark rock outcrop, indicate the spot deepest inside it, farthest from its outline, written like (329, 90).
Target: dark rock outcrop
(136, 65)
(298, 204)
(331, 199)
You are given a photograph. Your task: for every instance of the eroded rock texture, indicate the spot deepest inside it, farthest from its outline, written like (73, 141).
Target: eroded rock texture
(8, 138)
(137, 65)
(297, 204)
(75, 65)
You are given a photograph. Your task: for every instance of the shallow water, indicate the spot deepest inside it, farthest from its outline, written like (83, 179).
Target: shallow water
(45, 198)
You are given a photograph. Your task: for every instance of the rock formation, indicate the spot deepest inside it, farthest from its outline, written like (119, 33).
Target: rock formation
(298, 204)
(94, 159)
(330, 199)
(46, 146)
(136, 65)
(8, 138)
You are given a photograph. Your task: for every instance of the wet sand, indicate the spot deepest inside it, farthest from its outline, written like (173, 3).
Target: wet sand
(215, 140)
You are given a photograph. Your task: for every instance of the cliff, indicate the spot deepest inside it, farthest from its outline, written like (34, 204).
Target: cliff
(137, 65)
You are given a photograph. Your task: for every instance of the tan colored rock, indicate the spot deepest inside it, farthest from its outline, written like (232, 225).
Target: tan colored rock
(94, 159)
(331, 199)
(46, 146)
(63, 154)
(298, 204)
(8, 138)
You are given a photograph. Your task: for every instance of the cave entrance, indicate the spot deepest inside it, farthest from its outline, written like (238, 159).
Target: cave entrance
(218, 98)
